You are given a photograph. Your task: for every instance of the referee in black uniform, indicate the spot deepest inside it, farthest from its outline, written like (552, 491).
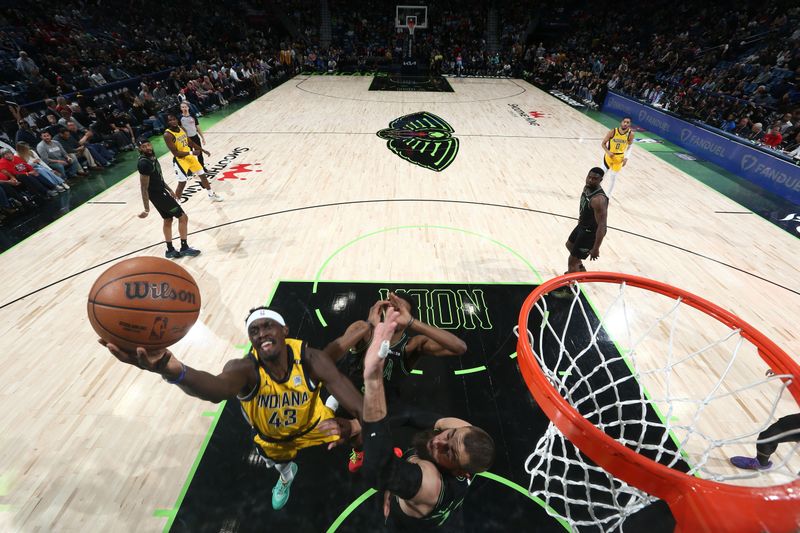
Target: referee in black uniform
(157, 192)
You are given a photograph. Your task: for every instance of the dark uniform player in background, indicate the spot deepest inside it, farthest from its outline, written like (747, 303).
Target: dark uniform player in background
(585, 239)
(413, 340)
(157, 192)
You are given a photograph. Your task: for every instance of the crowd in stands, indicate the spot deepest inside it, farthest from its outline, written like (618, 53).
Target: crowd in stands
(735, 67)
(80, 81)
(105, 80)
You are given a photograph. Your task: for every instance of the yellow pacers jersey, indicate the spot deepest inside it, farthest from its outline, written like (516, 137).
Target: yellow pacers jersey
(619, 142)
(286, 410)
(181, 140)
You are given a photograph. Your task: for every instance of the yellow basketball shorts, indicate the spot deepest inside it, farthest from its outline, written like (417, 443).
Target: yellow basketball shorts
(615, 162)
(187, 166)
(281, 452)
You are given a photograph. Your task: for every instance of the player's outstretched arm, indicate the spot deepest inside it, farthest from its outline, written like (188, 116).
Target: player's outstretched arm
(429, 340)
(357, 332)
(237, 376)
(323, 369)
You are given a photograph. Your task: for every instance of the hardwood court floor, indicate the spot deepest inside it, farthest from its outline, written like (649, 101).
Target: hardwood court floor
(323, 198)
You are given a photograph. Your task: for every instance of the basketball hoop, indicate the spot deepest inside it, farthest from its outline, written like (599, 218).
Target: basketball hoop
(411, 23)
(553, 372)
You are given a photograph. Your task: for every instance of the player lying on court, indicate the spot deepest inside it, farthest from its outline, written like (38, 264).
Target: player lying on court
(278, 385)
(413, 340)
(424, 486)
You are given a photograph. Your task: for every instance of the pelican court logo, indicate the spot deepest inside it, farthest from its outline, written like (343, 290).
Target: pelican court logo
(422, 139)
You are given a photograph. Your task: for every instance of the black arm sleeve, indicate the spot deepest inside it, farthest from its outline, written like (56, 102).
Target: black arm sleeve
(382, 469)
(408, 415)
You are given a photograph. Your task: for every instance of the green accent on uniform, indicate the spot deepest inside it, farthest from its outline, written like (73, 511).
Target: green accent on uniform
(319, 317)
(349, 509)
(469, 370)
(416, 372)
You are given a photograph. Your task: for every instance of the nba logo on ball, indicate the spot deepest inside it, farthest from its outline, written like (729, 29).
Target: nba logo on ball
(145, 301)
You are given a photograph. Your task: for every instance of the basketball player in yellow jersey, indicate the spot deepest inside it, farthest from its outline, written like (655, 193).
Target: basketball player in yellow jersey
(185, 152)
(278, 385)
(615, 145)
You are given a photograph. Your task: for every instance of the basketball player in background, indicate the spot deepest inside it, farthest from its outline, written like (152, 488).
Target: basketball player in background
(786, 429)
(615, 145)
(428, 483)
(185, 161)
(278, 386)
(413, 340)
(156, 191)
(191, 126)
(586, 238)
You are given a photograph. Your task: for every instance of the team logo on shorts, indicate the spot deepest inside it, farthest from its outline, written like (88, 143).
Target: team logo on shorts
(422, 139)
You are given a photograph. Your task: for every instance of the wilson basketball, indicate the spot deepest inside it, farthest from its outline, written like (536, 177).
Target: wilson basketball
(144, 301)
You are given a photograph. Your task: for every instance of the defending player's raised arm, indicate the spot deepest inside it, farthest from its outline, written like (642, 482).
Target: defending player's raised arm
(430, 340)
(357, 332)
(323, 369)
(237, 377)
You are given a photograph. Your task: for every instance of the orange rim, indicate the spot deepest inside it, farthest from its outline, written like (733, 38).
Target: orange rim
(691, 499)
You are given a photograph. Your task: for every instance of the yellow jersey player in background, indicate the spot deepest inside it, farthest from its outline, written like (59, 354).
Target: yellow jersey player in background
(615, 145)
(278, 385)
(185, 151)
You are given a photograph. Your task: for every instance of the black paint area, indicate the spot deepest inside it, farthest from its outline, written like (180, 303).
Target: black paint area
(231, 492)
(416, 82)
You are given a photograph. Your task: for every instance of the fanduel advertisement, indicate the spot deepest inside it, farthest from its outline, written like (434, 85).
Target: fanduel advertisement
(766, 171)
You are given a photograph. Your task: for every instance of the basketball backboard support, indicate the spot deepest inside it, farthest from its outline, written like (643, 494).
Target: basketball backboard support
(419, 14)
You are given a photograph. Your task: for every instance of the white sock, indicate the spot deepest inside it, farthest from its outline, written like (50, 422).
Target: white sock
(613, 175)
(285, 470)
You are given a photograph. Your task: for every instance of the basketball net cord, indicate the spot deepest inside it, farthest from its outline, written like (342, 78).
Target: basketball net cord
(573, 488)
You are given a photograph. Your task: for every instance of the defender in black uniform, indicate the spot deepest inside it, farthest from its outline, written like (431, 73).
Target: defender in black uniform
(428, 483)
(404, 353)
(585, 239)
(157, 192)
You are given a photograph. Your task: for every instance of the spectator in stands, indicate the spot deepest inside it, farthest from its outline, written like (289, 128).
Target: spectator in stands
(756, 133)
(26, 134)
(32, 158)
(102, 155)
(77, 150)
(9, 116)
(54, 155)
(773, 138)
(14, 169)
(26, 66)
(743, 127)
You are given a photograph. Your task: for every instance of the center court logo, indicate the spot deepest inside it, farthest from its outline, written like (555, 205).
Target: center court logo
(422, 139)
(211, 172)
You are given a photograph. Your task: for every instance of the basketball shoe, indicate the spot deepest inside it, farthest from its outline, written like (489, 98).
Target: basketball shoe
(749, 463)
(189, 252)
(280, 492)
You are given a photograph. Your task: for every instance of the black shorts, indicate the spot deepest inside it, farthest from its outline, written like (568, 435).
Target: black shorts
(166, 205)
(582, 240)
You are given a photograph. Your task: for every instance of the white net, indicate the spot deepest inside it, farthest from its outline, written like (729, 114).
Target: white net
(659, 376)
